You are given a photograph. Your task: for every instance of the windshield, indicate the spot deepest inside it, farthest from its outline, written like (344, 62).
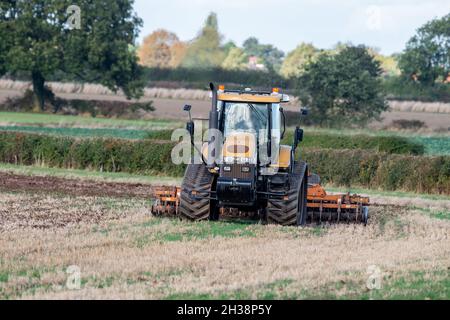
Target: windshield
(245, 117)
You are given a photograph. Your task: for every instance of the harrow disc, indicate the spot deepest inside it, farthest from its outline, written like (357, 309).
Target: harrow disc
(360, 214)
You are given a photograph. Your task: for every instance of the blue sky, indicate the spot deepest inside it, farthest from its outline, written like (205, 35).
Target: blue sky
(386, 25)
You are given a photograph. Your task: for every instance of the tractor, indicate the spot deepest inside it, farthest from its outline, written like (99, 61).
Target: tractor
(246, 170)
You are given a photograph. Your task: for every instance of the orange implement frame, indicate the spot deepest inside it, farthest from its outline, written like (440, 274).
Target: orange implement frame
(321, 206)
(167, 201)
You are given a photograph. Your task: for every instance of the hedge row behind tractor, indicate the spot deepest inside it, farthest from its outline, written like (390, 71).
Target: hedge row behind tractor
(238, 179)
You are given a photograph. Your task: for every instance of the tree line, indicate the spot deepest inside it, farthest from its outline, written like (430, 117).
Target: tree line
(425, 58)
(340, 84)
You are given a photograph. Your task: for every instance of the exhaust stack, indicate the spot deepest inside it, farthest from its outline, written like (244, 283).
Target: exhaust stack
(213, 127)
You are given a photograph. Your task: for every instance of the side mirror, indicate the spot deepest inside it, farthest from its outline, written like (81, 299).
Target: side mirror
(298, 137)
(190, 127)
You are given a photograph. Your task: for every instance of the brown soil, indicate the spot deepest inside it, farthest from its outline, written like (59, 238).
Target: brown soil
(19, 183)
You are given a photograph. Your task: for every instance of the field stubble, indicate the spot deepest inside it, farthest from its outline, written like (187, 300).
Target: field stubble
(125, 253)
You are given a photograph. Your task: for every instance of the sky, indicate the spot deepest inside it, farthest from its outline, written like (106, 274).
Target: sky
(383, 24)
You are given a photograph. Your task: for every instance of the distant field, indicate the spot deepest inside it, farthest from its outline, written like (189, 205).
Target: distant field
(169, 103)
(81, 132)
(8, 118)
(434, 145)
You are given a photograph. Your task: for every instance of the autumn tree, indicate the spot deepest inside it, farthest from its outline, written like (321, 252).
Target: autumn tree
(39, 38)
(161, 49)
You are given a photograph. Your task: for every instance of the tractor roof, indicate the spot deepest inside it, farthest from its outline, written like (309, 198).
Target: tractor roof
(252, 96)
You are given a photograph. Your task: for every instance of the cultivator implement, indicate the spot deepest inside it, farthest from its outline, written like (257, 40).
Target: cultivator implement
(166, 201)
(336, 208)
(322, 207)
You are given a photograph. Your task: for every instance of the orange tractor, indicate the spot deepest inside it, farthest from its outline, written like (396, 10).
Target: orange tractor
(250, 171)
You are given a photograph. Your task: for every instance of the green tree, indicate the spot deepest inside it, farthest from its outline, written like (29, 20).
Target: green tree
(236, 60)
(296, 61)
(205, 50)
(343, 89)
(40, 43)
(271, 57)
(228, 46)
(427, 54)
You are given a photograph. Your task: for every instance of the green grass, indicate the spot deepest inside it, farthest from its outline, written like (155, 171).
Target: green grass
(418, 285)
(199, 231)
(7, 118)
(399, 194)
(269, 291)
(81, 132)
(414, 286)
(4, 276)
(440, 214)
(118, 133)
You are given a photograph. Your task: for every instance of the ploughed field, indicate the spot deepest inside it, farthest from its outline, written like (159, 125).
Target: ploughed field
(104, 228)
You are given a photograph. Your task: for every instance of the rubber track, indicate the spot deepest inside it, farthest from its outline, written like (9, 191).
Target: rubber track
(197, 178)
(284, 212)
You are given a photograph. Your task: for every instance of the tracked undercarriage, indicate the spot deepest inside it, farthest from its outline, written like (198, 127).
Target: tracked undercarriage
(321, 207)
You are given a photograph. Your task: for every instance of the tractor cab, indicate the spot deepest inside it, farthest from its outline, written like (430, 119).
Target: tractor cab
(251, 126)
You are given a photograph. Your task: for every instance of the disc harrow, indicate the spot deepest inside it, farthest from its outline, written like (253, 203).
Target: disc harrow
(322, 207)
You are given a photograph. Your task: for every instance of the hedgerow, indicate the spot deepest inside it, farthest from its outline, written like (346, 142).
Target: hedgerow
(388, 144)
(362, 168)
(375, 170)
